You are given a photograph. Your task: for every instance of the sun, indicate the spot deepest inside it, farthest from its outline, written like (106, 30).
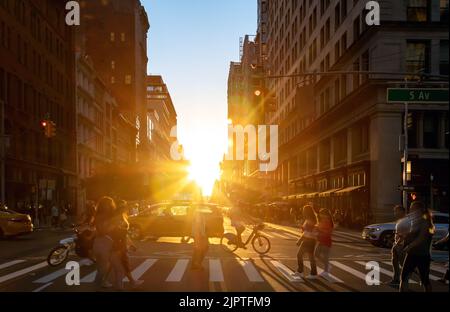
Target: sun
(204, 173)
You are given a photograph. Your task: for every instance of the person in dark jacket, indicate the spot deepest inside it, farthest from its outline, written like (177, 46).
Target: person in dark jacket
(417, 247)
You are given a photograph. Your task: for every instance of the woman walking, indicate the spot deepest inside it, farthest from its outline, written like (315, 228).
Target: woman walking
(307, 242)
(121, 244)
(325, 230)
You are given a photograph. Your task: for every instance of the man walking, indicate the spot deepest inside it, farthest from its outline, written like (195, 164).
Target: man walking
(402, 228)
(201, 242)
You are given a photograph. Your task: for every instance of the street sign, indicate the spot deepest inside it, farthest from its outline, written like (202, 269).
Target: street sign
(417, 95)
(406, 188)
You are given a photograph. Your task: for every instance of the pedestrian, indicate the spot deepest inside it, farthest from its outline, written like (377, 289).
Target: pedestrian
(325, 230)
(103, 243)
(417, 247)
(120, 262)
(441, 244)
(200, 236)
(63, 218)
(237, 222)
(307, 242)
(401, 230)
(55, 216)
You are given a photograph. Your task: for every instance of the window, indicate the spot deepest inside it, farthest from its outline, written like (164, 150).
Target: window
(343, 9)
(337, 52)
(444, 10)
(113, 80)
(327, 31)
(344, 43)
(417, 57)
(365, 66)
(443, 60)
(445, 126)
(128, 79)
(356, 76)
(356, 29)
(417, 11)
(112, 37)
(430, 130)
(122, 37)
(113, 65)
(337, 16)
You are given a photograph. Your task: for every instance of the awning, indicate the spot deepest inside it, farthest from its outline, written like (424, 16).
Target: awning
(329, 192)
(349, 190)
(284, 198)
(292, 197)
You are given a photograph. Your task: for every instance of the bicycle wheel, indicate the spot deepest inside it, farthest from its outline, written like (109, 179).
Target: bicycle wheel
(261, 244)
(229, 242)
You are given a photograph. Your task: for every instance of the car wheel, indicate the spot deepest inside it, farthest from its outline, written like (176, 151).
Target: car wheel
(135, 232)
(386, 240)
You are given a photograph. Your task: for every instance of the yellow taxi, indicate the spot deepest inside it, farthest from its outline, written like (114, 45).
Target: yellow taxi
(13, 223)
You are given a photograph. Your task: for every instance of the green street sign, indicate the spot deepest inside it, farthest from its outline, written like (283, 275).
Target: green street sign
(413, 95)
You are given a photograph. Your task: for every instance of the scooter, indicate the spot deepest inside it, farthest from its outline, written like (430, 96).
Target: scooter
(79, 244)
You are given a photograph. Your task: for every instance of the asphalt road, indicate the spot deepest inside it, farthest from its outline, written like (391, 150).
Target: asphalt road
(164, 265)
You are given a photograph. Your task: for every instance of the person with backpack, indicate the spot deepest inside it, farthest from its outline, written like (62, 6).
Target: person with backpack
(401, 229)
(307, 242)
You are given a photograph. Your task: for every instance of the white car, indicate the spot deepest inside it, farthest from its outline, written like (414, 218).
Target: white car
(382, 235)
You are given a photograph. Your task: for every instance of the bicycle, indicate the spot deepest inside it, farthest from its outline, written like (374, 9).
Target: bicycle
(260, 243)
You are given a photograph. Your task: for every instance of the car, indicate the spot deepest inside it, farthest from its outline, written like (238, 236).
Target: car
(174, 219)
(382, 235)
(13, 223)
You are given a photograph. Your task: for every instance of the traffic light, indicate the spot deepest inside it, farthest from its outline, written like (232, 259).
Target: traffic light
(261, 95)
(49, 128)
(410, 121)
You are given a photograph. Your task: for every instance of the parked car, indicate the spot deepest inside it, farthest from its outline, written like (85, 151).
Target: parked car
(382, 235)
(174, 219)
(13, 223)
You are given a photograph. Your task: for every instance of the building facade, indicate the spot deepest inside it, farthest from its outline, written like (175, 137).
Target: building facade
(339, 138)
(116, 40)
(37, 82)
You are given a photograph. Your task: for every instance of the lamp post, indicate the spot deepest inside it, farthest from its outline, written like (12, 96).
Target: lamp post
(431, 192)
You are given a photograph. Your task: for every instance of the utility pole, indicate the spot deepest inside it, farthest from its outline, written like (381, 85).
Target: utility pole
(405, 157)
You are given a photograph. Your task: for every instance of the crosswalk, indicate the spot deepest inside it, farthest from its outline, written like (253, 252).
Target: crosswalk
(258, 271)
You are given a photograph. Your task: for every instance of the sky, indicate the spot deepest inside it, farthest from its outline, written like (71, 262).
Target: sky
(191, 44)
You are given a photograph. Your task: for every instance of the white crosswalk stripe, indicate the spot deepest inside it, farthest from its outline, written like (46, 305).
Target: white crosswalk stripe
(141, 269)
(438, 268)
(10, 264)
(251, 272)
(215, 271)
(348, 269)
(52, 276)
(431, 276)
(384, 271)
(23, 272)
(90, 278)
(286, 272)
(333, 279)
(178, 271)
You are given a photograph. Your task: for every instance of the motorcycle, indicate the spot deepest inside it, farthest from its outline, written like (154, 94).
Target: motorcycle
(79, 244)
